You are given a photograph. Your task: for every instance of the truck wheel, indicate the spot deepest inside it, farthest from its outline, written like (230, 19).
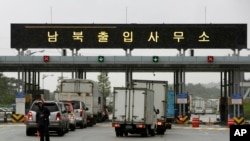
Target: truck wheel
(72, 128)
(28, 132)
(117, 133)
(152, 133)
(126, 134)
(85, 125)
(121, 134)
(60, 132)
(145, 134)
(160, 132)
(81, 126)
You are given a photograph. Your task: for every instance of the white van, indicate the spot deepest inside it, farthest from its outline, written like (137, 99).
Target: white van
(80, 111)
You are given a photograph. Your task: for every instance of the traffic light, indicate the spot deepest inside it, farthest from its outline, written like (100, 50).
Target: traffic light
(155, 59)
(210, 59)
(100, 58)
(45, 59)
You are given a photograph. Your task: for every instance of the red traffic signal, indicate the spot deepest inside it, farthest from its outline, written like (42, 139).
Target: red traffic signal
(210, 59)
(45, 58)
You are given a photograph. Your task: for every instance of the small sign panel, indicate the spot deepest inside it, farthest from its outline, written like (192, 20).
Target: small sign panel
(182, 98)
(237, 99)
(20, 95)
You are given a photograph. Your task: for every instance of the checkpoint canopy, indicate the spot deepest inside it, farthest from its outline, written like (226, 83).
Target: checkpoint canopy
(129, 36)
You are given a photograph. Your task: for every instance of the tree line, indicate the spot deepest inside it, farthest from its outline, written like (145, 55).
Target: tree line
(8, 89)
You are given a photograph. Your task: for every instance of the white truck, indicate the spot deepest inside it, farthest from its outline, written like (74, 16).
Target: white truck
(134, 111)
(160, 89)
(87, 92)
(199, 105)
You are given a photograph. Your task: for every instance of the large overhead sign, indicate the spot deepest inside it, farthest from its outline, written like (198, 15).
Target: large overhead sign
(129, 36)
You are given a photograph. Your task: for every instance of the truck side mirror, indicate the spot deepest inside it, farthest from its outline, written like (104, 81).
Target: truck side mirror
(64, 111)
(157, 111)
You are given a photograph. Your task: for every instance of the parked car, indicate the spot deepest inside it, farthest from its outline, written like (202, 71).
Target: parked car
(2, 114)
(71, 116)
(80, 112)
(7, 112)
(58, 120)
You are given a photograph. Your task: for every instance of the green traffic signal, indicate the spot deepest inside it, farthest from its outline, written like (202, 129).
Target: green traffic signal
(155, 59)
(100, 58)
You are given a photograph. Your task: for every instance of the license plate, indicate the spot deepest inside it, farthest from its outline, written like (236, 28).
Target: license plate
(128, 126)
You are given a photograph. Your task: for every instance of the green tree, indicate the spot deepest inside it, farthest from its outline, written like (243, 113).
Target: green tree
(246, 105)
(104, 84)
(201, 91)
(8, 89)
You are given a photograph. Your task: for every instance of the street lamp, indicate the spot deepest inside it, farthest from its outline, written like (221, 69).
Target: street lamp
(45, 76)
(29, 53)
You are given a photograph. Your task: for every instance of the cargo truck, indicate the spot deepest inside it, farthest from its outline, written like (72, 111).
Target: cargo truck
(134, 111)
(87, 92)
(199, 105)
(160, 90)
(170, 114)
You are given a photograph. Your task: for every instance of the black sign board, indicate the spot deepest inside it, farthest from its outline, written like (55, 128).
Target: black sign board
(129, 36)
(239, 132)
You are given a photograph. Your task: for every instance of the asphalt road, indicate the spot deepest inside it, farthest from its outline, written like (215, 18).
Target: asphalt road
(104, 132)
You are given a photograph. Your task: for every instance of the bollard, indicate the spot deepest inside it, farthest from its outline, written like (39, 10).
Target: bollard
(25, 119)
(5, 117)
(195, 122)
(181, 120)
(230, 121)
(209, 121)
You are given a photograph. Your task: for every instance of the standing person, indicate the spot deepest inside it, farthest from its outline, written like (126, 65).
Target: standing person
(42, 120)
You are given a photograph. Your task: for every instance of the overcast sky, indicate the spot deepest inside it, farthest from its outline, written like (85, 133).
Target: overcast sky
(123, 11)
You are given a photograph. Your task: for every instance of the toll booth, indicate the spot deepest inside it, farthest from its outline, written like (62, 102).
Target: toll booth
(182, 107)
(236, 109)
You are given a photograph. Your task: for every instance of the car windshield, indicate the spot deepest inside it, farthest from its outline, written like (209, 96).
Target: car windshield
(76, 104)
(68, 107)
(51, 106)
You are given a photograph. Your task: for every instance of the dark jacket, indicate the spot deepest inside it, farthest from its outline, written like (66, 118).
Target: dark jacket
(42, 120)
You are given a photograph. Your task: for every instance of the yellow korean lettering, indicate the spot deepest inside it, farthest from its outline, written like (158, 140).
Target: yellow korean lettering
(127, 36)
(103, 37)
(52, 37)
(203, 37)
(178, 35)
(78, 36)
(153, 37)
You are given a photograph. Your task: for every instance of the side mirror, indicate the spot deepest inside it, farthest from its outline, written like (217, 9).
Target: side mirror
(86, 109)
(64, 111)
(157, 111)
